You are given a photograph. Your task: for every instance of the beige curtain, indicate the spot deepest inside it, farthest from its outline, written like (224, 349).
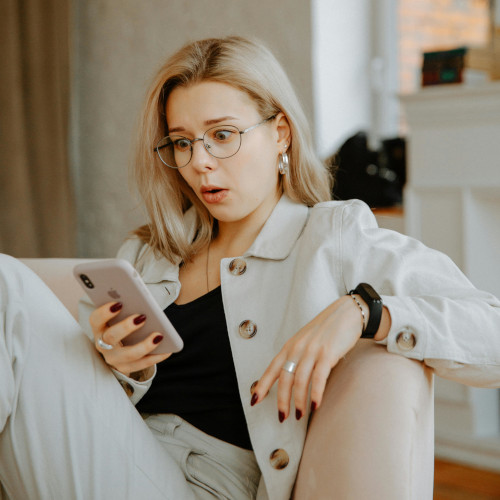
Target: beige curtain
(36, 200)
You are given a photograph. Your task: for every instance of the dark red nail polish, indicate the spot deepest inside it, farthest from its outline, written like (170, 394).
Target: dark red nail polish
(140, 319)
(254, 399)
(116, 307)
(313, 405)
(298, 414)
(281, 416)
(157, 339)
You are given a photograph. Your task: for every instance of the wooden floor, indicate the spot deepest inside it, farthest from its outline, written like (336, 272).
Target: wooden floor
(457, 482)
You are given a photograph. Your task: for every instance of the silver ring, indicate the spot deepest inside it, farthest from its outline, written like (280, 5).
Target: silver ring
(290, 366)
(103, 344)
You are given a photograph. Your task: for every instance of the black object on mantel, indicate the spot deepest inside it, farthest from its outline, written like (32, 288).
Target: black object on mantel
(376, 177)
(443, 66)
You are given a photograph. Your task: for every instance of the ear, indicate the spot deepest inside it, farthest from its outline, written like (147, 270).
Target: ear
(284, 131)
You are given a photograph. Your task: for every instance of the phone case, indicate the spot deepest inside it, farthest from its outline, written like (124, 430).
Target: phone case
(117, 280)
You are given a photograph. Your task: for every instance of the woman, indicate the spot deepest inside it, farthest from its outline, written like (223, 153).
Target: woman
(271, 286)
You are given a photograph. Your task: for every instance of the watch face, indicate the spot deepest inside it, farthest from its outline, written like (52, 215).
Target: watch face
(368, 289)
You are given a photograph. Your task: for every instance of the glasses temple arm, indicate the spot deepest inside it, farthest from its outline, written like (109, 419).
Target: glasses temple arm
(260, 123)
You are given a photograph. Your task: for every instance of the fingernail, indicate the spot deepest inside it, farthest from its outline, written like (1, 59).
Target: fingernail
(140, 319)
(281, 416)
(298, 414)
(313, 405)
(157, 339)
(254, 399)
(116, 307)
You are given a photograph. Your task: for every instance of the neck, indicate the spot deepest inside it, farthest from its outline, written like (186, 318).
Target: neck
(234, 238)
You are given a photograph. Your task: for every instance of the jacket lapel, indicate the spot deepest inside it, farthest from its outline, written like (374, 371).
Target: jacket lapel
(281, 231)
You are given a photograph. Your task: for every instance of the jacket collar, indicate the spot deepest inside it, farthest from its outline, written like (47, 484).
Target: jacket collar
(275, 240)
(281, 230)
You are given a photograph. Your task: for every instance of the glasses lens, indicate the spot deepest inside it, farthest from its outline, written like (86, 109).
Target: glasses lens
(174, 151)
(222, 141)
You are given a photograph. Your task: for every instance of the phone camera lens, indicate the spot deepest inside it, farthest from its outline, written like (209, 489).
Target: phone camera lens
(86, 281)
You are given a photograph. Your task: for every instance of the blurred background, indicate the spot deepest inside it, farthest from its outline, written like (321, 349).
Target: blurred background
(75, 72)
(402, 95)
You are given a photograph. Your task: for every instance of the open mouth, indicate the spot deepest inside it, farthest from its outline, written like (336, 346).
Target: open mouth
(213, 194)
(211, 189)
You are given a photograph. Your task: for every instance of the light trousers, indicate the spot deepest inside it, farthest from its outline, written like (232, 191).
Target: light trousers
(68, 430)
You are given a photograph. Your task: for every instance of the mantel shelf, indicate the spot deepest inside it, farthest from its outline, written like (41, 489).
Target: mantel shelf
(454, 105)
(452, 91)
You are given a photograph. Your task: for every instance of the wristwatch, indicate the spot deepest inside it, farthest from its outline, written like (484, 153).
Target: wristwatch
(375, 305)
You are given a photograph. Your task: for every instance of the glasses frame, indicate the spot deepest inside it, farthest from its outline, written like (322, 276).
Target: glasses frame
(157, 148)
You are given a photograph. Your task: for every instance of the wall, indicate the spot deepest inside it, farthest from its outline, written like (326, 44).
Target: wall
(355, 71)
(118, 45)
(341, 63)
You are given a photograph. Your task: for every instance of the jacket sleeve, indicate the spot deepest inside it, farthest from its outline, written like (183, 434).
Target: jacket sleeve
(437, 315)
(134, 389)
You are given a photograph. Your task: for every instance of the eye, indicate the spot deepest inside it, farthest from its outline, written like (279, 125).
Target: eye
(181, 143)
(225, 134)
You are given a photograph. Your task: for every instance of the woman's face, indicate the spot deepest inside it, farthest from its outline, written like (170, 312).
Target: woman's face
(245, 186)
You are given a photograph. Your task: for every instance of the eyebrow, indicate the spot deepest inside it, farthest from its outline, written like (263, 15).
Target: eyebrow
(213, 121)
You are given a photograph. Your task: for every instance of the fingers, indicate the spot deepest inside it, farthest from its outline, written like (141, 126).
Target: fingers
(285, 385)
(101, 315)
(311, 373)
(137, 357)
(288, 383)
(125, 359)
(302, 381)
(269, 377)
(316, 349)
(319, 378)
(139, 364)
(112, 335)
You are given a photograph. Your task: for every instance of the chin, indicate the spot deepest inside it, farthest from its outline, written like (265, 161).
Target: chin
(225, 217)
(230, 213)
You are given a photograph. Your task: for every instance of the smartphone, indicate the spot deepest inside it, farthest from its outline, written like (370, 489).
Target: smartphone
(117, 280)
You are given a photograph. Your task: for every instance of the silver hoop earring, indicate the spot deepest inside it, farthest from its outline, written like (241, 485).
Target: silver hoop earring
(283, 163)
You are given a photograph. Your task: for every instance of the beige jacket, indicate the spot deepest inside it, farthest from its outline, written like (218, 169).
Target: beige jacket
(303, 260)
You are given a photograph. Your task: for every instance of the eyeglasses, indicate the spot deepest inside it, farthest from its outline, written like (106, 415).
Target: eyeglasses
(222, 141)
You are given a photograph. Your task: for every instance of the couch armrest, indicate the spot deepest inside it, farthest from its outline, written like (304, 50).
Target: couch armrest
(373, 435)
(58, 276)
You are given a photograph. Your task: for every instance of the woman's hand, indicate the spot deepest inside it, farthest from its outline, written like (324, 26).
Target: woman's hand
(316, 349)
(134, 359)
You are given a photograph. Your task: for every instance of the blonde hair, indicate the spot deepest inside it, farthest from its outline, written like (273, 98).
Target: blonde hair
(251, 68)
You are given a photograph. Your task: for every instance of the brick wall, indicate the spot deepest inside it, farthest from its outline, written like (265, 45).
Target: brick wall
(437, 24)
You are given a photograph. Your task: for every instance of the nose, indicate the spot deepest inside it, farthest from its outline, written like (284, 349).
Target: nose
(201, 159)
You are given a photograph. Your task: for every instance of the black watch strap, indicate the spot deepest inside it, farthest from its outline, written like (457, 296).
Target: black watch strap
(375, 306)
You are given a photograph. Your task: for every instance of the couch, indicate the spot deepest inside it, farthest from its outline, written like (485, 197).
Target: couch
(372, 438)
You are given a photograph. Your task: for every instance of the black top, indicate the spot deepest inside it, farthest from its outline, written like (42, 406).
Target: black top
(199, 383)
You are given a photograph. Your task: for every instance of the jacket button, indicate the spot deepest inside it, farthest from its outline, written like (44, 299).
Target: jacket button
(279, 459)
(247, 329)
(129, 390)
(237, 267)
(405, 340)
